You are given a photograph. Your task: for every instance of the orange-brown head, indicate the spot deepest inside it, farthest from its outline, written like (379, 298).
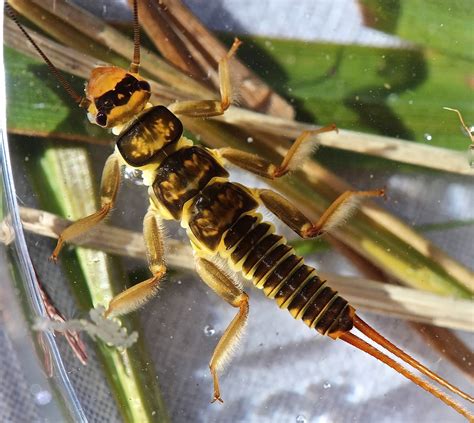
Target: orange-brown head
(115, 96)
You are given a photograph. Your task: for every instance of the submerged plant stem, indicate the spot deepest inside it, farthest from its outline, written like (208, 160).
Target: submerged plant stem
(68, 182)
(375, 145)
(367, 294)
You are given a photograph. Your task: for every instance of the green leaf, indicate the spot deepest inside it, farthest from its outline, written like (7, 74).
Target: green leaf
(395, 92)
(437, 24)
(38, 105)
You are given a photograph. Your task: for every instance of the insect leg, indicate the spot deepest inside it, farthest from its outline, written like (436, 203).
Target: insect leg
(209, 108)
(334, 215)
(137, 295)
(299, 151)
(108, 193)
(229, 290)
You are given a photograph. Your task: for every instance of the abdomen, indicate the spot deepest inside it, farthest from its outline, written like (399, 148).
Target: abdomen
(264, 257)
(215, 210)
(222, 220)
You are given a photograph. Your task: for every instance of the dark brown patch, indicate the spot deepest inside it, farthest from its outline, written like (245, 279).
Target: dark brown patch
(216, 209)
(144, 139)
(182, 175)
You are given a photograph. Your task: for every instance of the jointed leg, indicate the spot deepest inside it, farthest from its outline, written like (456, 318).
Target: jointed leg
(229, 290)
(109, 188)
(209, 108)
(225, 85)
(137, 295)
(335, 214)
(296, 155)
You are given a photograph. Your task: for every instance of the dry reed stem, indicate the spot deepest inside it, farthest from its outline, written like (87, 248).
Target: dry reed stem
(445, 341)
(388, 148)
(402, 151)
(315, 175)
(205, 50)
(366, 294)
(107, 36)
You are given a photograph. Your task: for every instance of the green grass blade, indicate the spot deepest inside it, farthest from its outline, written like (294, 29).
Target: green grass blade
(394, 92)
(437, 24)
(64, 180)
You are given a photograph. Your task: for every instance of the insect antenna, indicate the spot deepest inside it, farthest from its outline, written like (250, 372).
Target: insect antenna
(81, 101)
(135, 65)
(371, 333)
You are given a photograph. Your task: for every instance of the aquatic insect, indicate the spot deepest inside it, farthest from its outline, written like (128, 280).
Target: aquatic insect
(190, 184)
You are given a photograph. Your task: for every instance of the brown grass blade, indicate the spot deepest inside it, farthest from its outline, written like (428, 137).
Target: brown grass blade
(366, 294)
(181, 88)
(318, 179)
(449, 345)
(160, 30)
(374, 145)
(445, 341)
(202, 44)
(89, 27)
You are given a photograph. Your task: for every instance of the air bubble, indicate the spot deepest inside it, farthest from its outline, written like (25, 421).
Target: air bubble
(43, 397)
(269, 44)
(301, 419)
(326, 385)
(392, 98)
(209, 330)
(133, 175)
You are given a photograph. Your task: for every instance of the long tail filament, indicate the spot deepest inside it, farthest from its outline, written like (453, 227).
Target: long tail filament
(385, 343)
(371, 333)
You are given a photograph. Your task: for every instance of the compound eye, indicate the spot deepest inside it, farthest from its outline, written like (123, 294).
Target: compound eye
(145, 86)
(101, 119)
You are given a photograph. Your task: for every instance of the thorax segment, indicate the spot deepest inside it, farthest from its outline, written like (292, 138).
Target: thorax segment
(182, 176)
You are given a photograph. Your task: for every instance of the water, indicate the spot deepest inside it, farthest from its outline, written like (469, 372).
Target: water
(209, 330)
(187, 308)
